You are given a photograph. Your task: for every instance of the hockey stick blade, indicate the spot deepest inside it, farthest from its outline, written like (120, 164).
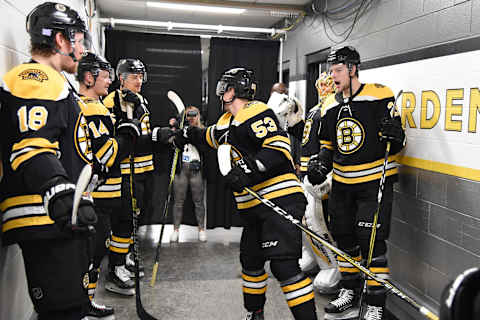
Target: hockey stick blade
(177, 101)
(223, 155)
(82, 184)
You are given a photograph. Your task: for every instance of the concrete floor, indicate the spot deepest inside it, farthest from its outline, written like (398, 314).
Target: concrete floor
(195, 281)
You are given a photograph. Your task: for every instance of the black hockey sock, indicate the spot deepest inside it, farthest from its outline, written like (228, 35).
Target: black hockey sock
(300, 297)
(254, 289)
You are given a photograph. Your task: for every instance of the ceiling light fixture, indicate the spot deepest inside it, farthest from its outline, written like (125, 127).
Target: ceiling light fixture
(193, 7)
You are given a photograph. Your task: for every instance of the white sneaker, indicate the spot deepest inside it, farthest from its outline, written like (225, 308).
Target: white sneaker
(174, 236)
(327, 280)
(202, 235)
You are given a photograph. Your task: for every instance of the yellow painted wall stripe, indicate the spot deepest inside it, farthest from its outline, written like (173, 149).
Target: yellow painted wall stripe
(445, 168)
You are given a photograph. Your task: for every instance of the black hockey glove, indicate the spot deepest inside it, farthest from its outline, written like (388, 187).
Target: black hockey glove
(180, 138)
(58, 202)
(132, 128)
(391, 130)
(244, 173)
(131, 97)
(162, 134)
(317, 170)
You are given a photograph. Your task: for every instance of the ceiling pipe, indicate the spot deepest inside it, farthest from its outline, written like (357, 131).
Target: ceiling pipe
(189, 26)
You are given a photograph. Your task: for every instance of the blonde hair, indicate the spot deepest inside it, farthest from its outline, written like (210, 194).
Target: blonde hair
(199, 122)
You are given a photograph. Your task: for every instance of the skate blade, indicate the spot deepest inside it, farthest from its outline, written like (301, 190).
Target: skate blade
(110, 317)
(349, 314)
(117, 290)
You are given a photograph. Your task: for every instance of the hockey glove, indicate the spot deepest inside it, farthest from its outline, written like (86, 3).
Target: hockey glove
(132, 128)
(180, 138)
(162, 134)
(128, 100)
(391, 130)
(58, 202)
(317, 170)
(243, 174)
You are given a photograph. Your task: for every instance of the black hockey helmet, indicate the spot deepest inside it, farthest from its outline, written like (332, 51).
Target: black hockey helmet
(461, 298)
(349, 56)
(241, 79)
(93, 63)
(126, 66)
(49, 18)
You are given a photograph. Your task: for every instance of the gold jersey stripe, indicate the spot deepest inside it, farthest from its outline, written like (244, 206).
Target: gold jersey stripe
(263, 277)
(373, 283)
(326, 142)
(282, 150)
(106, 194)
(341, 259)
(121, 240)
(255, 291)
(364, 166)
(348, 270)
(35, 142)
(295, 286)
(114, 155)
(366, 178)
(249, 111)
(28, 155)
(101, 152)
(380, 269)
(139, 159)
(208, 135)
(20, 201)
(300, 300)
(271, 195)
(26, 222)
(118, 250)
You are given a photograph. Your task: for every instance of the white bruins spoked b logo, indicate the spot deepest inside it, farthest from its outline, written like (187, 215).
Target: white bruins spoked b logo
(82, 143)
(350, 135)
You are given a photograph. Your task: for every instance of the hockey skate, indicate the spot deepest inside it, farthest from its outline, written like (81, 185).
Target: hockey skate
(118, 281)
(254, 315)
(100, 311)
(326, 281)
(373, 313)
(130, 266)
(344, 307)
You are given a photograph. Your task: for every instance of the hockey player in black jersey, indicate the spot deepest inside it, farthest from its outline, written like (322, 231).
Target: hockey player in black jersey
(95, 75)
(263, 162)
(132, 74)
(356, 125)
(45, 146)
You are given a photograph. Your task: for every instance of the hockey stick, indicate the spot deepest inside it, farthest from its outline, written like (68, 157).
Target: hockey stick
(81, 186)
(141, 312)
(373, 233)
(225, 166)
(177, 101)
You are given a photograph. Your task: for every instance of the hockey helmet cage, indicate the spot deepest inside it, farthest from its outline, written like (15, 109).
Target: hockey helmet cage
(129, 65)
(349, 56)
(241, 79)
(49, 18)
(93, 63)
(461, 298)
(325, 85)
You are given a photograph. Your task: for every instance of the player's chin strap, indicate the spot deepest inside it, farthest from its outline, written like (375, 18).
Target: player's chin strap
(71, 54)
(225, 165)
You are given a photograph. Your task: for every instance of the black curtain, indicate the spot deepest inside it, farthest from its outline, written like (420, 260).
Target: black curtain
(172, 63)
(262, 58)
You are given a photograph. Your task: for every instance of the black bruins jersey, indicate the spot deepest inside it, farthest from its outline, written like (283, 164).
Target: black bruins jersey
(43, 135)
(352, 133)
(106, 150)
(255, 132)
(143, 149)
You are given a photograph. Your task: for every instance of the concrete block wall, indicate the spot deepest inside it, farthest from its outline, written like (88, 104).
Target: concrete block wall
(436, 220)
(14, 49)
